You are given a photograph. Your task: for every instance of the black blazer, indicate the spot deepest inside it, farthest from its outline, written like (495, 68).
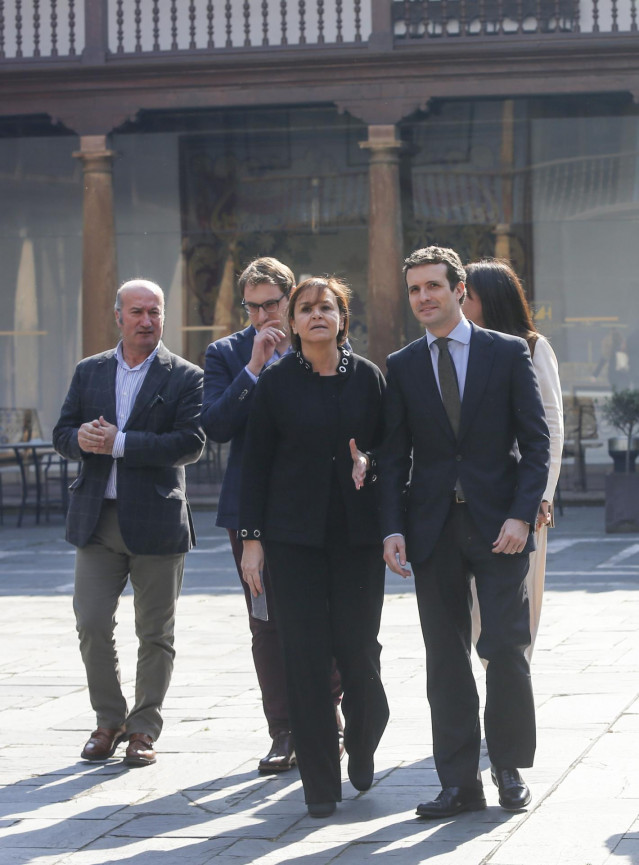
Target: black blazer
(227, 400)
(420, 459)
(289, 453)
(163, 434)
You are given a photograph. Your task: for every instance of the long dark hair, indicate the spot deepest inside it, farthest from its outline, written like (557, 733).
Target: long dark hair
(503, 302)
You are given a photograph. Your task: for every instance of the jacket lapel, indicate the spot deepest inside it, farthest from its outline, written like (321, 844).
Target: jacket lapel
(480, 362)
(107, 368)
(245, 344)
(155, 380)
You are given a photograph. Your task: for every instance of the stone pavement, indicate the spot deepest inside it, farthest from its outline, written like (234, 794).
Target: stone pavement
(204, 802)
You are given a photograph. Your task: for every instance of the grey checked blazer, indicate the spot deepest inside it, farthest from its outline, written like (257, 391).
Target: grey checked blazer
(163, 434)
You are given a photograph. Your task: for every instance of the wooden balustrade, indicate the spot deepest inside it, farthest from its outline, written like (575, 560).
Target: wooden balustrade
(430, 19)
(94, 31)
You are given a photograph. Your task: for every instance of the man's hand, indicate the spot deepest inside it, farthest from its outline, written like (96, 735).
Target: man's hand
(269, 336)
(109, 431)
(544, 517)
(395, 555)
(361, 465)
(512, 537)
(91, 437)
(252, 566)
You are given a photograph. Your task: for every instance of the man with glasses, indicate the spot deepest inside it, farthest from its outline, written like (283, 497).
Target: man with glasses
(231, 370)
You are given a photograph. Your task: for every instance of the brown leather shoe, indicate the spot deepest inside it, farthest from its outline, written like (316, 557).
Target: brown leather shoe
(140, 751)
(103, 743)
(281, 757)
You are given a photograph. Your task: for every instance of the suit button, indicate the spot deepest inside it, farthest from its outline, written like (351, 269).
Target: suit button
(458, 458)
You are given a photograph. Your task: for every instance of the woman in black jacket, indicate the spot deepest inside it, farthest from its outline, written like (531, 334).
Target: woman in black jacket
(307, 501)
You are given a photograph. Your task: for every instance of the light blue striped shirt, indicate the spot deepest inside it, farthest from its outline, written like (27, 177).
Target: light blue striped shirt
(128, 381)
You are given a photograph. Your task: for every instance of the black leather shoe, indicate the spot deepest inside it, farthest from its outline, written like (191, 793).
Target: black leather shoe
(281, 757)
(321, 809)
(452, 801)
(361, 771)
(513, 790)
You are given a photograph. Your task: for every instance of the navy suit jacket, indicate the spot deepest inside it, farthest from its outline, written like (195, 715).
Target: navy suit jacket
(227, 400)
(163, 434)
(501, 454)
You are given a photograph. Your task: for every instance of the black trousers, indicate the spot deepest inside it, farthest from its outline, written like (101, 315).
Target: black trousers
(267, 653)
(443, 597)
(329, 603)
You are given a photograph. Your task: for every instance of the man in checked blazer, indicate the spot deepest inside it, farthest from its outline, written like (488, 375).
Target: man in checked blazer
(132, 416)
(461, 474)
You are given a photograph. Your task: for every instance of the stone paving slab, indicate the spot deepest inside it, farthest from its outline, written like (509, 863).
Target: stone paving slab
(203, 802)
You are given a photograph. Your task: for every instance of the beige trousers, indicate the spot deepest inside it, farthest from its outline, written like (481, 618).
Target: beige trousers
(102, 570)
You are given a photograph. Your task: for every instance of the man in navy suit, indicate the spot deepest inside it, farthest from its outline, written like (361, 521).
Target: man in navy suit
(231, 370)
(461, 474)
(132, 416)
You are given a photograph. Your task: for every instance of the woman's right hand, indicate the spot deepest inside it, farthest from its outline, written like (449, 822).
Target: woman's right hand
(252, 566)
(544, 517)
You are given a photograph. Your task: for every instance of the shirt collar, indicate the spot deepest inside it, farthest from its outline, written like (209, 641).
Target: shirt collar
(462, 332)
(125, 366)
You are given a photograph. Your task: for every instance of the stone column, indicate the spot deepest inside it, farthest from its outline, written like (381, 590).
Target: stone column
(507, 161)
(99, 268)
(385, 245)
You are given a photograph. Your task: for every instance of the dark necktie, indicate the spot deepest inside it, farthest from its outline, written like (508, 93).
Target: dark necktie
(448, 383)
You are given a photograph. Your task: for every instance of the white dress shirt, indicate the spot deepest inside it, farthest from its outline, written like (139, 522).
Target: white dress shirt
(128, 381)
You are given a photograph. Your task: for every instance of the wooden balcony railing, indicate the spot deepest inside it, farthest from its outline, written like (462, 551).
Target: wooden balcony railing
(100, 31)
(39, 29)
(428, 19)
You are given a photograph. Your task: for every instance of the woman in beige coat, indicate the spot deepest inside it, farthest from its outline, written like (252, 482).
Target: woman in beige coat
(495, 300)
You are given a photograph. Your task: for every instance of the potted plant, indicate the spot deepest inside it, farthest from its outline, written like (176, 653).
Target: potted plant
(621, 410)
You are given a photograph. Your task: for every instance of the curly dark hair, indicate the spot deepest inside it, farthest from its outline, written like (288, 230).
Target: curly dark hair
(455, 272)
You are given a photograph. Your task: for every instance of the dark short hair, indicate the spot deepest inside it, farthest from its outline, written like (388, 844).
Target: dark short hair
(267, 270)
(455, 272)
(318, 285)
(503, 302)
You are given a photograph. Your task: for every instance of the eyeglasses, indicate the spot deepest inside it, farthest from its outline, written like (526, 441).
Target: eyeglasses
(269, 306)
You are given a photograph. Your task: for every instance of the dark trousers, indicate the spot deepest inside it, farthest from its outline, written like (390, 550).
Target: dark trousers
(329, 602)
(267, 652)
(443, 595)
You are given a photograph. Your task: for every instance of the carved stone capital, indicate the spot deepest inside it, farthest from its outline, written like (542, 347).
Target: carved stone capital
(95, 155)
(382, 142)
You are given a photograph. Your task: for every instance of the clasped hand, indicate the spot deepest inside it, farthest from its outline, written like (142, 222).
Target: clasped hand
(97, 436)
